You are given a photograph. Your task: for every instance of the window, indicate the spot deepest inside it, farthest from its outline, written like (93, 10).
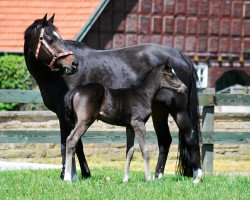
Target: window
(202, 72)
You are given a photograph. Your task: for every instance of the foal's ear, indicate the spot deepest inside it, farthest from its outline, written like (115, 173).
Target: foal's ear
(51, 20)
(45, 18)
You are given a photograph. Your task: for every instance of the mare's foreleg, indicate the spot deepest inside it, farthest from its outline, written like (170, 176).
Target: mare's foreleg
(130, 134)
(140, 132)
(160, 122)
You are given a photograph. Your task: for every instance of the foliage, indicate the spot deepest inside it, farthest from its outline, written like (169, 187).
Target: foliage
(107, 184)
(13, 75)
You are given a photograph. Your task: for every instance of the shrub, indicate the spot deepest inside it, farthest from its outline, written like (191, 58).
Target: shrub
(13, 75)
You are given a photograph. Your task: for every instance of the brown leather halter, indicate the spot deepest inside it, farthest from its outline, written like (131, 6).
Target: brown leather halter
(55, 55)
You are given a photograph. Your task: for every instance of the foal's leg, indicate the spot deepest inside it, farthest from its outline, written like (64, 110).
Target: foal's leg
(65, 130)
(86, 104)
(130, 134)
(72, 140)
(160, 122)
(140, 132)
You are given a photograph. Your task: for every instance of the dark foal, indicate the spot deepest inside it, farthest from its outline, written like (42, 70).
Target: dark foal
(122, 107)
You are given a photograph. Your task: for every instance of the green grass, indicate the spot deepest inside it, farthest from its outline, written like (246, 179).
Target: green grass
(45, 184)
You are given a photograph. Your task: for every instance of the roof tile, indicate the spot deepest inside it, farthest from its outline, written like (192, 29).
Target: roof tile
(17, 15)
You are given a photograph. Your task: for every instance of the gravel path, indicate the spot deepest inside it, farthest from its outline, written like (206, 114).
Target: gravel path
(19, 166)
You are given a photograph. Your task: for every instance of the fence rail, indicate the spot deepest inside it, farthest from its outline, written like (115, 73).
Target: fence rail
(208, 99)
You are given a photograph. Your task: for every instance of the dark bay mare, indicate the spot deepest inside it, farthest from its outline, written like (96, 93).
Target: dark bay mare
(117, 68)
(129, 107)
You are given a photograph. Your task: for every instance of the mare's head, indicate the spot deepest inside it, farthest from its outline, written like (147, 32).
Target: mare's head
(47, 46)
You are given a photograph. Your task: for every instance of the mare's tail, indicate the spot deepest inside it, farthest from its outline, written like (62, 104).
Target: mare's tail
(185, 166)
(70, 115)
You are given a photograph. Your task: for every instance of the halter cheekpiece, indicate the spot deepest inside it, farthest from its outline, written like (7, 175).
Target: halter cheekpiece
(55, 55)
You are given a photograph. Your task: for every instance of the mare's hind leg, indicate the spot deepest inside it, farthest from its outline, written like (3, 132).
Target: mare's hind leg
(82, 160)
(160, 122)
(140, 132)
(188, 147)
(130, 134)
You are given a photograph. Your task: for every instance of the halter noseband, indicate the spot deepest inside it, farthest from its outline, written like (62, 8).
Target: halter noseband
(55, 55)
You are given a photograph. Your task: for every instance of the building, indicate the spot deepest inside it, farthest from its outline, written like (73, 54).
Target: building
(215, 34)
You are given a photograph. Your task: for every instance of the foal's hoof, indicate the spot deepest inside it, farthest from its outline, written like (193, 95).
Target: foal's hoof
(149, 178)
(125, 179)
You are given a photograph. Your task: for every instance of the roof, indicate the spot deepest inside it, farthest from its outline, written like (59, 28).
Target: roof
(71, 17)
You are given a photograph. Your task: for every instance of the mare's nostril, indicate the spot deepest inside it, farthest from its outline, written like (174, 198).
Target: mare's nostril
(75, 63)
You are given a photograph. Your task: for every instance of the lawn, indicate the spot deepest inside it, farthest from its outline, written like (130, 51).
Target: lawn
(106, 183)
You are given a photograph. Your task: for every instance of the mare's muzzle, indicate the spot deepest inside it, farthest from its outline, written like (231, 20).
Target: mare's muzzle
(71, 70)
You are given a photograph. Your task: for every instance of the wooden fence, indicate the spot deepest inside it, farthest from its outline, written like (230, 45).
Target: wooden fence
(208, 99)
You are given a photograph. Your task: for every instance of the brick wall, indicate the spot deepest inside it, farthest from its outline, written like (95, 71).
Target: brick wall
(194, 26)
(206, 28)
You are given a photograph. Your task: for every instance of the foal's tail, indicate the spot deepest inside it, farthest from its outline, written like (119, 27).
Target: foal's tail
(70, 115)
(185, 166)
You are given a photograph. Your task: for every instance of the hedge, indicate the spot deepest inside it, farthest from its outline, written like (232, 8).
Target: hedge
(13, 75)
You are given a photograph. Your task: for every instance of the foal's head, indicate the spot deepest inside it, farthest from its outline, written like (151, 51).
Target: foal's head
(171, 81)
(48, 47)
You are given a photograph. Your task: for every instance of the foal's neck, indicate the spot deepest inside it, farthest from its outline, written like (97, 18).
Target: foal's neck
(151, 83)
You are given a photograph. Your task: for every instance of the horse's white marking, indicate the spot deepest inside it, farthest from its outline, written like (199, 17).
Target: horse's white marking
(160, 175)
(74, 178)
(67, 177)
(197, 176)
(57, 35)
(125, 178)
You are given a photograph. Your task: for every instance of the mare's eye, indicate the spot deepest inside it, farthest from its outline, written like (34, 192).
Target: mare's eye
(51, 41)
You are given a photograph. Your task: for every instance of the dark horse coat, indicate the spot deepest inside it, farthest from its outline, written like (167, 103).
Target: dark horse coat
(121, 68)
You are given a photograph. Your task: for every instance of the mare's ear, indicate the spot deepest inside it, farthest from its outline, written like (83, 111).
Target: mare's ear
(51, 20)
(45, 18)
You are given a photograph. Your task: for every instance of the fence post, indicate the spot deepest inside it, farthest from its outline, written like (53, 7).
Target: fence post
(208, 129)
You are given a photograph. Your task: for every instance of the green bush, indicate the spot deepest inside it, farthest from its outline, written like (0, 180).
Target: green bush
(13, 75)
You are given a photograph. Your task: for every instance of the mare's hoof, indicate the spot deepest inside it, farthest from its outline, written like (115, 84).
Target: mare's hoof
(74, 178)
(86, 175)
(197, 176)
(62, 175)
(158, 176)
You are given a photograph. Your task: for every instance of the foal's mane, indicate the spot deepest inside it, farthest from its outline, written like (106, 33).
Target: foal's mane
(39, 23)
